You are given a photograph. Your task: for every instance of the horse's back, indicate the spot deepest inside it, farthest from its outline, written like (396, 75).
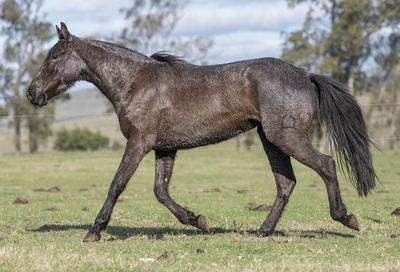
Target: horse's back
(268, 80)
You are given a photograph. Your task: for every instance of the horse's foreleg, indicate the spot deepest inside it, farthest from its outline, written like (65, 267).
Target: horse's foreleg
(285, 182)
(130, 161)
(164, 166)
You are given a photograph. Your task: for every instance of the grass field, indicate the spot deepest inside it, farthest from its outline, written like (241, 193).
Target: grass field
(47, 233)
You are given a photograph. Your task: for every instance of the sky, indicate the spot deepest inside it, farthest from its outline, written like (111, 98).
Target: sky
(240, 29)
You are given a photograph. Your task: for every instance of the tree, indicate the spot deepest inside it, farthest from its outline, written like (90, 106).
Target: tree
(38, 122)
(25, 31)
(151, 23)
(305, 47)
(79, 139)
(5, 84)
(341, 48)
(385, 83)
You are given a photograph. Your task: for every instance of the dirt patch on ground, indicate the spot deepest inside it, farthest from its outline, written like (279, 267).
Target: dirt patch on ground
(21, 200)
(50, 209)
(396, 212)
(53, 189)
(256, 207)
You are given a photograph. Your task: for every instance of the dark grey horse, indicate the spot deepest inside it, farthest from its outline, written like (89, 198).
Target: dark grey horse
(165, 104)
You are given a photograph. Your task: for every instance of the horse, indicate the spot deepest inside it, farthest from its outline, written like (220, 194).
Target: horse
(166, 104)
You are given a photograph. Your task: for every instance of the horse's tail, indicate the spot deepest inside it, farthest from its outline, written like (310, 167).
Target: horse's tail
(346, 131)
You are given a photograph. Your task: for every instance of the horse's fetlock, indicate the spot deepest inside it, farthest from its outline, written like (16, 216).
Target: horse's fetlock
(340, 216)
(191, 219)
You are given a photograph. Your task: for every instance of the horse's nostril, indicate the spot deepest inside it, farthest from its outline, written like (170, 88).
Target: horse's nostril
(29, 95)
(42, 100)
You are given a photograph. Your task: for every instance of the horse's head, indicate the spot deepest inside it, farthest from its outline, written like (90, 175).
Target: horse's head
(61, 68)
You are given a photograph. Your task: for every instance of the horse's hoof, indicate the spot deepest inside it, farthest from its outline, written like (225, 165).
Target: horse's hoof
(352, 222)
(202, 223)
(92, 237)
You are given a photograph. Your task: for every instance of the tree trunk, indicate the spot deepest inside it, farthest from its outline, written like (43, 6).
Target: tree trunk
(17, 127)
(18, 111)
(350, 81)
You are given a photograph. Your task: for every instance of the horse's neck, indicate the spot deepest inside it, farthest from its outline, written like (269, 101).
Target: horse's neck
(107, 65)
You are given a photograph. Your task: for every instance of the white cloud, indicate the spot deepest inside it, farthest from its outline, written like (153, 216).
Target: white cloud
(244, 45)
(236, 2)
(87, 17)
(212, 18)
(241, 29)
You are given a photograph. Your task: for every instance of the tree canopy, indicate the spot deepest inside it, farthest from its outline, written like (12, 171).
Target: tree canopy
(340, 46)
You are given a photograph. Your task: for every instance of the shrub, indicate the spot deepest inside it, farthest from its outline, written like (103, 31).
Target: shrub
(79, 139)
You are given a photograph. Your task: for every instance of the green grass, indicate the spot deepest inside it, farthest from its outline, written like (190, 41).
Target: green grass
(306, 238)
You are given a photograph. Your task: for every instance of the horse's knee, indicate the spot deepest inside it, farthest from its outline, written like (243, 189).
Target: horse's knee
(161, 195)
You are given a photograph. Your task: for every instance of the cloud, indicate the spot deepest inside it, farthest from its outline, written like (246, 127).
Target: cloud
(96, 9)
(201, 17)
(240, 29)
(87, 17)
(212, 18)
(244, 45)
(235, 2)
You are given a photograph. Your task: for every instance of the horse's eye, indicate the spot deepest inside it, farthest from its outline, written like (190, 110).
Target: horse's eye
(54, 56)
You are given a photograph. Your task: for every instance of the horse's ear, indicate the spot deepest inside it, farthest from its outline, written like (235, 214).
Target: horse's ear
(63, 33)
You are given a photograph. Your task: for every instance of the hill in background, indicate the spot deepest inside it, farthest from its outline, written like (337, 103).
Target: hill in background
(86, 108)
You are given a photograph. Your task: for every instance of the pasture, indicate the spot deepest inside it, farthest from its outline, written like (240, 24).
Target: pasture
(216, 181)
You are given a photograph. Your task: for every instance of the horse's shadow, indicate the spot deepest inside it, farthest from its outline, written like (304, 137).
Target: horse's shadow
(324, 234)
(124, 233)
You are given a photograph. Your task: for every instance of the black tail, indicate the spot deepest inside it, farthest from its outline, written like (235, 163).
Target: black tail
(346, 131)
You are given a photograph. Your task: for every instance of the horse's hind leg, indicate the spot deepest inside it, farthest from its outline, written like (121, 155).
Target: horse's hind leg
(164, 166)
(298, 146)
(285, 182)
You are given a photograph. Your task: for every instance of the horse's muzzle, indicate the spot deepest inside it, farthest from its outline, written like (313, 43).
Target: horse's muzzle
(40, 100)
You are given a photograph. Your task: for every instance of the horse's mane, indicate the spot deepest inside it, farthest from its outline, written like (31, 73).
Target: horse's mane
(161, 56)
(116, 48)
(170, 59)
